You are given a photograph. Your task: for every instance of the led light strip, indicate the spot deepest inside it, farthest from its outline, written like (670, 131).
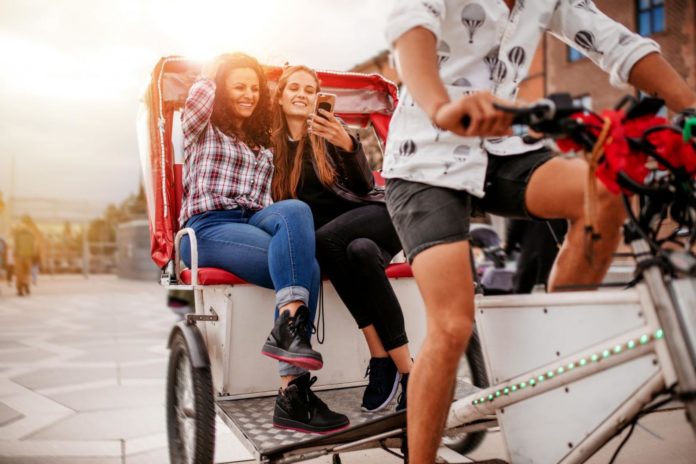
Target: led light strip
(582, 362)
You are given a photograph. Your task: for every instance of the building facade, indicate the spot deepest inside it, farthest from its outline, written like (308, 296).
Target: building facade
(671, 23)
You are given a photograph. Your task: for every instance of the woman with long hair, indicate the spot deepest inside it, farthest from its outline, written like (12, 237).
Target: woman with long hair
(319, 162)
(227, 202)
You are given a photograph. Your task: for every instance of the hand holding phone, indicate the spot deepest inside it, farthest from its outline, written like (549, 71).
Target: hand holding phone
(326, 102)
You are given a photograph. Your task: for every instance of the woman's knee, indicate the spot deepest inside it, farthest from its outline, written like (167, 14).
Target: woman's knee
(294, 207)
(363, 250)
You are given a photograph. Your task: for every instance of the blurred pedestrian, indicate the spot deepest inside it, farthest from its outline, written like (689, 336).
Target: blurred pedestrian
(24, 251)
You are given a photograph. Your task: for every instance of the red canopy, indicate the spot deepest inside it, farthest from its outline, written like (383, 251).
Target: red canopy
(361, 100)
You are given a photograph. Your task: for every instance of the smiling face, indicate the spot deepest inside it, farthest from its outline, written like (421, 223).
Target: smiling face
(243, 89)
(299, 95)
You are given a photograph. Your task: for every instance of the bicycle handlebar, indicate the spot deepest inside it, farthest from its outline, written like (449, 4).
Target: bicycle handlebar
(547, 110)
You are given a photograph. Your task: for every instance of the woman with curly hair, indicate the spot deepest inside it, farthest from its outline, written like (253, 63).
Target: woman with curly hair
(320, 163)
(227, 202)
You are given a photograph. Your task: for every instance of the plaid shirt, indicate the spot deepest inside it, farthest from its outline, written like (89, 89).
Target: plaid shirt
(220, 172)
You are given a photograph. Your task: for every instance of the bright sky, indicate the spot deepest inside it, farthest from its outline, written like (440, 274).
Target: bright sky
(73, 70)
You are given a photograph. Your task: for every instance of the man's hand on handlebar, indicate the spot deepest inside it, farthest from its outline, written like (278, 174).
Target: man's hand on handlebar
(484, 119)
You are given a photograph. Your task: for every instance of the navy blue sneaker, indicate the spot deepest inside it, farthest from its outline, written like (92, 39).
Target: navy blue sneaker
(382, 386)
(401, 405)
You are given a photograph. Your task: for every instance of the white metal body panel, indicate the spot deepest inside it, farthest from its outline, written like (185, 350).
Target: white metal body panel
(523, 333)
(246, 317)
(546, 428)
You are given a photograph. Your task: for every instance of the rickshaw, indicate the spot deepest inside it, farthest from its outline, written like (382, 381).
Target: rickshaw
(215, 364)
(568, 371)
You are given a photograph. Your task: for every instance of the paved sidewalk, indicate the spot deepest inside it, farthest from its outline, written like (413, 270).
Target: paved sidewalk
(82, 377)
(82, 373)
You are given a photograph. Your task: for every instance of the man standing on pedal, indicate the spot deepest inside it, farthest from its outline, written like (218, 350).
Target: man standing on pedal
(457, 58)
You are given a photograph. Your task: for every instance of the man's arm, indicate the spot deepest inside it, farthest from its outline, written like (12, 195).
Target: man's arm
(417, 66)
(655, 76)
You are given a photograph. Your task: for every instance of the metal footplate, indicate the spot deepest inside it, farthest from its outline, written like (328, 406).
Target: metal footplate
(251, 421)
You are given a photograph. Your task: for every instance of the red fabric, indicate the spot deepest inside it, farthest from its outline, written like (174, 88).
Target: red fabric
(213, 276)
(379, 180)
(620, 157)
(400, 270)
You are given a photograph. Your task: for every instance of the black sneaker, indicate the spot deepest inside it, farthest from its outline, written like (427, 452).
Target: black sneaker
(401, 405)
(384, 380)
(298, 408)
(289, 341)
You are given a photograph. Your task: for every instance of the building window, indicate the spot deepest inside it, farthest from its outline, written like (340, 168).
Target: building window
(574, 55)
(584, 100)
(651, 16)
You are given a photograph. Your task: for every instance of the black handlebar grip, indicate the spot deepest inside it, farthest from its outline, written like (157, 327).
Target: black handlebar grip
(465, 121)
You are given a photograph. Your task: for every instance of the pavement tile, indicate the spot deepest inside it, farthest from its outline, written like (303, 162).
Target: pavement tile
(61, 460)
(156, 370)
(106, 425)
(28, 355)
(7, 414)
(158, 456)
(112, 397)
(120, 352)
(61, 376)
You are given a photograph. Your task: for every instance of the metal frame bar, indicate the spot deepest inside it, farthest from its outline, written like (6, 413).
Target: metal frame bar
(464, 411)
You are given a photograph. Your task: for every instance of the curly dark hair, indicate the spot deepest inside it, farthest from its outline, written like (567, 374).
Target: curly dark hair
(255, 130)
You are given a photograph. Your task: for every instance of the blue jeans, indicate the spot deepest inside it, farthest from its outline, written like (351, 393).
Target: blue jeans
(271, 248)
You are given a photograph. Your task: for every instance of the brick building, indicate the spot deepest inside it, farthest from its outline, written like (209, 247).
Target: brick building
(671, 23)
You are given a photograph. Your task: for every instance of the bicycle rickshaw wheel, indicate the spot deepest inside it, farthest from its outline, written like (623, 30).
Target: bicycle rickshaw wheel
(474, 356)
(190, 408)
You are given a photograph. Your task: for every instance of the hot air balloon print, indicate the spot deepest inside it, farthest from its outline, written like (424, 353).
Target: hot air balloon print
(407, 148)
(443, 53)
(586, 5)
(461, 152)
(473, 18)
(447, 165)
(462, 82)
(499, 73)
(491, 59)
(517, 57)
(586, 40)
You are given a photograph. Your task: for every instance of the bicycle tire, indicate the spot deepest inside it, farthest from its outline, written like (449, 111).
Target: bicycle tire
(200, 412)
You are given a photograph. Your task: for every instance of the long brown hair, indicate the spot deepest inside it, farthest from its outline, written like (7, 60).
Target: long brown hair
(254, 131)
(288, 166)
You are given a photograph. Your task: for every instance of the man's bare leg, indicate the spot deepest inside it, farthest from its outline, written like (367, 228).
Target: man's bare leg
(445, 281)
(556, 190)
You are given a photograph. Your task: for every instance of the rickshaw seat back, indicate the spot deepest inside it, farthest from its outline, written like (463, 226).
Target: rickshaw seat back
(362, 100)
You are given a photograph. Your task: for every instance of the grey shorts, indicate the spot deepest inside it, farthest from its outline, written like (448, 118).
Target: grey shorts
(425, 215)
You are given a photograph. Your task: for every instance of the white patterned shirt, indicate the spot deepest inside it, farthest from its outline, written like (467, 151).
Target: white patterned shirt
(482, 45)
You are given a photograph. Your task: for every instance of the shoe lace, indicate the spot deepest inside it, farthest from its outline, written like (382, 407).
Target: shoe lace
(312, 398)
(298, 325)
(376, 379)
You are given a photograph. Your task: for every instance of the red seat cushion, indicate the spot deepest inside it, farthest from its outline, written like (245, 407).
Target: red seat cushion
(211, 276)
(399, 270)
(214, 276)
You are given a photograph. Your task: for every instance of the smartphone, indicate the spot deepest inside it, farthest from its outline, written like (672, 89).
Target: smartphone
(325, 101)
